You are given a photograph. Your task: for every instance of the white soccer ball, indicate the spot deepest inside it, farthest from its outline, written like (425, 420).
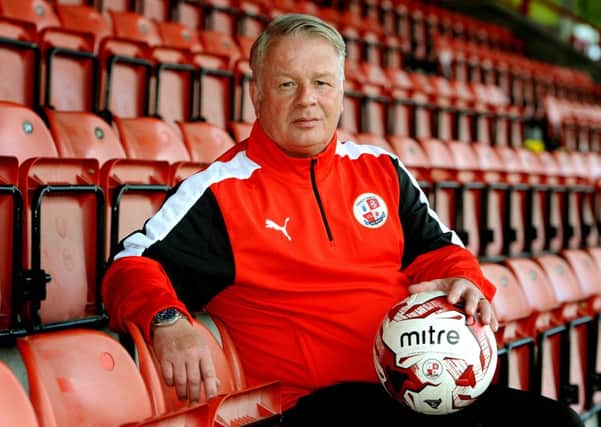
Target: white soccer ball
(430, 356)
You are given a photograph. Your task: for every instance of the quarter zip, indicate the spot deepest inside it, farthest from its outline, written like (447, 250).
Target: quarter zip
(318, 198)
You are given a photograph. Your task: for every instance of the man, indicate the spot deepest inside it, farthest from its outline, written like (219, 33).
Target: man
(298, 243)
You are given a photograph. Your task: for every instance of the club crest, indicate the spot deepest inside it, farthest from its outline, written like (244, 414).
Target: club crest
(370, 210)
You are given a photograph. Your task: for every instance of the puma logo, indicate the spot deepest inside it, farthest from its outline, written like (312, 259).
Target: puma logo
(272, 225)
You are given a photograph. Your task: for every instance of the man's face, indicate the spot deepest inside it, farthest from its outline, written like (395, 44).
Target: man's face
(298, 95)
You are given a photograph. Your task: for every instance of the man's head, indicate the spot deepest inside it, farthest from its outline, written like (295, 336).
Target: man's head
(297, 87)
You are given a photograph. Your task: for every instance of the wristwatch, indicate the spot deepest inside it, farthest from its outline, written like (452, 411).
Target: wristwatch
(166, 317)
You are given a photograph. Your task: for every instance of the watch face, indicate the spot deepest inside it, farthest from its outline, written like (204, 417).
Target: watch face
(166, 315)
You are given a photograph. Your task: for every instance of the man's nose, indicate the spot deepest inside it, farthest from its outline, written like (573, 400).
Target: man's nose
(306, 94)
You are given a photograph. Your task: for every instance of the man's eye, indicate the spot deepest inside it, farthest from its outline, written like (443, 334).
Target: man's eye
(286, 85)
(322, 83)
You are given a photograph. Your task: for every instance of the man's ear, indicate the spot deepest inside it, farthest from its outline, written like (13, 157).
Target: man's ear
(254, 95)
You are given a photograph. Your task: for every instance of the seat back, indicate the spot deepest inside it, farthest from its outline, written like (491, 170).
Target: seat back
(205, 141)
(82, 17)
(164, 397)
(76, 376)
(151, 139)
(514, 337)
(84, 135)
(16, 406)
(38, 12)
(20, 56)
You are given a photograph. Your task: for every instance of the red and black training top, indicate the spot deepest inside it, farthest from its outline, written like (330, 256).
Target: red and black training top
(300, 258)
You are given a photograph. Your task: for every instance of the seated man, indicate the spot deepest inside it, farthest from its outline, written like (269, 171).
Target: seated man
(300, 244)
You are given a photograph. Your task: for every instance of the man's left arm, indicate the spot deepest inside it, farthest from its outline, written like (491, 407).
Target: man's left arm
(434, 257)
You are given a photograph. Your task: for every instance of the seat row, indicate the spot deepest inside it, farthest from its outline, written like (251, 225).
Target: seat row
(548, 307)
(70, 191)
(505, 201)
(82, 377)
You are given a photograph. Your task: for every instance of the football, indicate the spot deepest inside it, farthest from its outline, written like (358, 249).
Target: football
(430, 356)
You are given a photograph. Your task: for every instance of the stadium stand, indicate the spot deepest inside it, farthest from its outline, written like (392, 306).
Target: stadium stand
(106, 105)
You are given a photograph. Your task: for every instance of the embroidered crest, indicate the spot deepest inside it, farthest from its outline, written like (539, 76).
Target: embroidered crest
(370, 210)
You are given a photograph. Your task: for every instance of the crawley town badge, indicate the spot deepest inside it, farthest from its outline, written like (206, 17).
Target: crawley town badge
(370, 210)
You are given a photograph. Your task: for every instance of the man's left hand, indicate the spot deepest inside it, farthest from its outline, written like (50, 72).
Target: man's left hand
(459, 289)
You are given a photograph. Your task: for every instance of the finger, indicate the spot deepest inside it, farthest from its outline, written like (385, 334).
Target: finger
(181, 382)
(209, 376)
(194, 381)
(485, 310)
(457, 292)
(430, 285)
(167, 371)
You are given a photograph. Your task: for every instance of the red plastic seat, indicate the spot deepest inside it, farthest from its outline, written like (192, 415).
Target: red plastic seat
(571, 296)
(133, 188)
(234, 404)
(20, 56)
(515, 337)
(78, 375)
(38, 12)
(205, 141)
(151, 139)
(374, 140)
(16, 406)
(547, 326)
(63, 216)
(80, 17)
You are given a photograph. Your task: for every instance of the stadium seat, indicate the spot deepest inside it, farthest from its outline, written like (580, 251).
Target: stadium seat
(16, 406)
(231, 407)
(375, 140)
(21, 59)
(63, 225)
(414, 158)
(82, 17)
(38, 12)
(205, 141)
(572, 297)
(550, 373)
(515, 338)
(134, 189)
(151, 139)
(79, 375)
(11, 205)
(239, 130)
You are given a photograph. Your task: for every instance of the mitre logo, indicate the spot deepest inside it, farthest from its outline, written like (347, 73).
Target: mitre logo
(429, 336)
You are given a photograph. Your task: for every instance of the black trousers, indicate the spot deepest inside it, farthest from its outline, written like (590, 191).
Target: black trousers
(364, 404)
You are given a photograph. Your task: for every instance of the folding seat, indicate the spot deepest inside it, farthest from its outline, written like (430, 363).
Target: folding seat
(587, 269)
(20, 59)
(134, 189)
(11, 205)
(173, 75)
(577, 341)
(79, 375)
(39, 12)
(205, 142)
(542, 204)
(159, 10)
(251, 19)
(414, 159)
(16, 406)
(190, 13)
(515, 337)
(560, 217)
(375, 140)
(63, 226)
(151, 139)
(125, 78)
(376, 100)
(216, 81)
(485, 197)
(236, 403)
(447, 192)
(239, 130)
(220, 16)
(178, 35)
(117, 5)
(552, 367)
(86, 18)
(69, 64)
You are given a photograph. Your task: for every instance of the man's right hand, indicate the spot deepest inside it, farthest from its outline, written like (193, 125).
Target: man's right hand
(185, 360)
